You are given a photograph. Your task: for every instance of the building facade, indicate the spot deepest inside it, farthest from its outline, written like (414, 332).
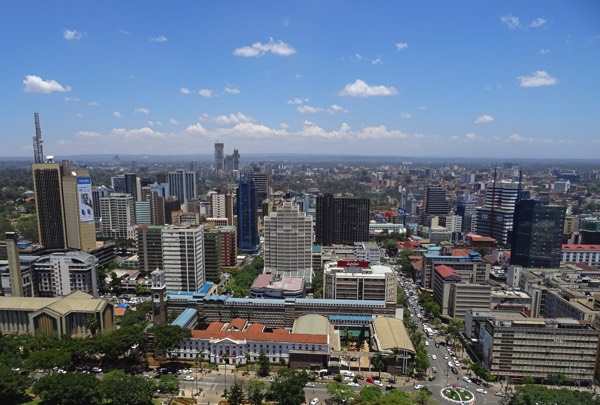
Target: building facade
(247, 215)
(588, 254)
(183, 257)
(47, 186)
(118, 216)
(354, 280)
(149, 247)
(182, 184)
(60, 274)
(341, 220)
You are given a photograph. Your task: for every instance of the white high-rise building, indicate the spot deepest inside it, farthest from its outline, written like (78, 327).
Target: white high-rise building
(183, 257)
(60, 274)
(218, 207)
(182, 184)
(288, 242)
(117, 216)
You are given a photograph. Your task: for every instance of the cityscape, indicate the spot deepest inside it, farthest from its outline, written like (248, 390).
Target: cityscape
(301, 203)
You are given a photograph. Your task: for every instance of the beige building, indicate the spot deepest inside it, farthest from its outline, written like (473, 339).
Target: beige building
(60, 274)
(390, 333)
(356, 280)
(455, 296)
(60, 315)
(79, 214)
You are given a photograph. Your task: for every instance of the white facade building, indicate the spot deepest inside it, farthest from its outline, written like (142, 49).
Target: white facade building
(367, 252)
(60, 274)
(117, 216)
(183, 257)
(588, 254)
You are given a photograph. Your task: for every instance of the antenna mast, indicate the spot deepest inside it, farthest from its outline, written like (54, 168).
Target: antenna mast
(38, 154)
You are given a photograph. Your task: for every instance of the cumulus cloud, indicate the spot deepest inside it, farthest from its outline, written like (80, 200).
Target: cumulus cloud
(173, 121)
(405, 115)
(377, 61)
(206, 93)
(138, 133)
(471, 136)
(510, 21)
(88, 134)
(544, 51)
(400, 46)
(257, 49)
(361, 89)
(538, 22)
(298, 100)
(117, 114)
(306, 109)
(35, 84)
(518, 138)
(227, 119)
(380, 132)
(160, 38)
(251, 130)
(196, 129)
(537, 79)
(72, 99)
(484, 119)
(231, 90)
(142, 110)
(184, 90)
(334, 109)
(93, 103)
(72, 35)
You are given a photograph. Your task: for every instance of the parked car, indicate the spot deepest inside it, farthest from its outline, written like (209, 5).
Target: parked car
(454, 370)
(370, 380)
(389, 387)
(467, 379)
(431, 378)
(481, 391)
(434, 369)
(418, 386)
(378, 383)
(314, 401)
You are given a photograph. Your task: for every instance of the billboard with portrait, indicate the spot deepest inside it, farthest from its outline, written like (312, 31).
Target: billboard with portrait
(84, 194)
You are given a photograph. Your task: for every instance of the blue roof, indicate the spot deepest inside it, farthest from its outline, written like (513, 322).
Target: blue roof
(123, 306)
(207, 286)
(185, 317)
(334, 301)
(350, 318)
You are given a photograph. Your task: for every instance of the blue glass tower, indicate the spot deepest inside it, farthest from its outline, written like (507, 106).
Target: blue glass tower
(247, 214)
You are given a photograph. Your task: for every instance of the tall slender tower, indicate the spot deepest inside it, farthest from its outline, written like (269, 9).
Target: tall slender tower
(14, 264)
(47, 186)
(38, 154)
(219, 156)
(159, 289)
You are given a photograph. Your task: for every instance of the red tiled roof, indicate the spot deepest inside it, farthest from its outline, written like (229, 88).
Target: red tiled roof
(255, 327)
(581, 247)
(260, 336)
(280, 330)
(237, 323)
(120, 311)
(215, 326)
(446, 271)
(460, 252)
(263, 280)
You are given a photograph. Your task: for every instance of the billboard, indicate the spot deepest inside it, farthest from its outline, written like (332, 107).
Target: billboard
(84, 194)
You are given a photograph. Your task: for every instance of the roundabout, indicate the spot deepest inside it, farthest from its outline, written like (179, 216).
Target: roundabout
(457, 395)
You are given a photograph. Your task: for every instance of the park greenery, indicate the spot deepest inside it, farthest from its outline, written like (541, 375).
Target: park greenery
(240, 280)
(539, 394)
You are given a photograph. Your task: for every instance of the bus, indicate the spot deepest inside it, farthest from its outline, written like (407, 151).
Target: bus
(428, 332)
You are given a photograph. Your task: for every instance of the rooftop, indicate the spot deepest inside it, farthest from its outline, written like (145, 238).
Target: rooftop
(390, 333)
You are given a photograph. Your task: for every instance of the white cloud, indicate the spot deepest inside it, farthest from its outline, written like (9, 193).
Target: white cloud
(206, 93)
(298, 100)
(484, 119)
(471, 136)
(173, 121)
(510, 21)
(544, 51)
(518, 138)
(422, 107)
(405, 115)
(377, 61)
(160, 38)
(117, 114)
(184, 90)
(538, 22)
(279, 48)
(361, 89)
(138, 133)
(93, 103)
(380, 132)
(88, 134)
(334, 109)
(72, 35)
(306, 109)
(35, 84)
(196, 129)
(153, 123)
(72, 99)
(400, 46)
(251, 130)
(231, 90)
(537, 79)
(236, 118)
(142, 110)
(357, 56)
(124, 32)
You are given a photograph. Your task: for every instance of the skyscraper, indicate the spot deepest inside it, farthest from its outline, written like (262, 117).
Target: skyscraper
(436, 202)
(182, 185)
(288, 242)
(213, 260)
(341, 220)
(247, 214)
(537, 234)
(496, 218)
(131, 185)
(183, 257)
(219, 156)
(117, 216)
(47, 186)
(78, 208)
(149, 245)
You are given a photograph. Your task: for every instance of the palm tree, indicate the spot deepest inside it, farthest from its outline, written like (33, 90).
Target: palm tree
(468, 364)
(247, 356)
(396, 352)
(379, 362)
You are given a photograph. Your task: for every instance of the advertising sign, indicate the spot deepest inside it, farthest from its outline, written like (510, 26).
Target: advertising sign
(84, 194)
(347, 263)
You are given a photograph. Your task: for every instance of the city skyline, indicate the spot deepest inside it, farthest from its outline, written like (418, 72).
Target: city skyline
(430, 79)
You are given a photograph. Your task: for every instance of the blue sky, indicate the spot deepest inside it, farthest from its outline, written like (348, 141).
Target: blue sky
(421, 78)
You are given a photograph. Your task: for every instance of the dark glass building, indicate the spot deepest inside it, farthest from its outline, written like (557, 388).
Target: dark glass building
(47, 186)
(341, 220)
(537, 234)
(247, 214)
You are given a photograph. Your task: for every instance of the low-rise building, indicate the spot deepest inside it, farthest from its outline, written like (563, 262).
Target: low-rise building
(588, 254)
(273, 286)
(358, 280)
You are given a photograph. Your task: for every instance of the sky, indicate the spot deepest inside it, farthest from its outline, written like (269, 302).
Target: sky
(425, 78)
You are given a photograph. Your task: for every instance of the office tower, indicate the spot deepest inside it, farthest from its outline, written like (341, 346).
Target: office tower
(162, 189)
(262, 181)
(14, 265)
(341, 220)
(219, 157)
(143, 212)
(131, 185)
(182, 185)
(496, 218)
(213, 260)
(118, 184)
(78, 208)
(247, 215)
(47, 186)
(236, 159)
(288, 242)
(467, 209)
(537, 234)
(221, 206)
(61, 274)
(149, 245)
(172, 204)
(157, 209)
(228, 245)
(183, 257)
(436, 202)
(97, 193)
(117, 216)
(589, 228)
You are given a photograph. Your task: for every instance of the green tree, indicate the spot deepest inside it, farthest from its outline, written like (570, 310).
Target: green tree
(255, 392)
(532, 394)
(339, 393)
(422, 396)
(370, 395)
(48, 359)
(317, 283)
(92, 323)
(396, 352)
(12, 386)
(264, 367)
(396, 397)
(235, 395)
(168, 384)
(169, 337)
(378, 361)
(69, 388)
(421, 360)
(288, 386)
(123, 389)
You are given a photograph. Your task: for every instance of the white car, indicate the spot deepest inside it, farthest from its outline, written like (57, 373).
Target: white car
(378, 383)
(481, 391)
(314, 401)
(433, 357)
(418, 386)
(310, 384)
(445, 357)
(188, 378)
(353, 384)
(467, 379)
(450, 364)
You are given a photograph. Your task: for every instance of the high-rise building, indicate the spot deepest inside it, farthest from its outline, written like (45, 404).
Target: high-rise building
(537, 234)
(131, 185)
(436, 202)
(117, 183)
(61, 274)
(183, 257)
(341, 220)
(149, 246)
(97, 193)
(288, 242)
(228, 245)
(143, 212)
(117, 216)
(496, 218)
(162, 189)
(78, 208)
(247, 214)
(14, 265)
(182, 185)
(213, 260)
(262, 181)
(172, 204)
(47, 186)
(219, 156)
(218, 207)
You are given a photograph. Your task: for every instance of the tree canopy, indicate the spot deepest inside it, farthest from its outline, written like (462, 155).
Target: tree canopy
(69, 388)
(288, 387)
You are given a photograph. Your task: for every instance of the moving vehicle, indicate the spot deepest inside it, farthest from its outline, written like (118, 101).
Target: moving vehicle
(418, 386)
(370, 380)
(454, 370)
(314, 401)
(467, 379)
(481, 391)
